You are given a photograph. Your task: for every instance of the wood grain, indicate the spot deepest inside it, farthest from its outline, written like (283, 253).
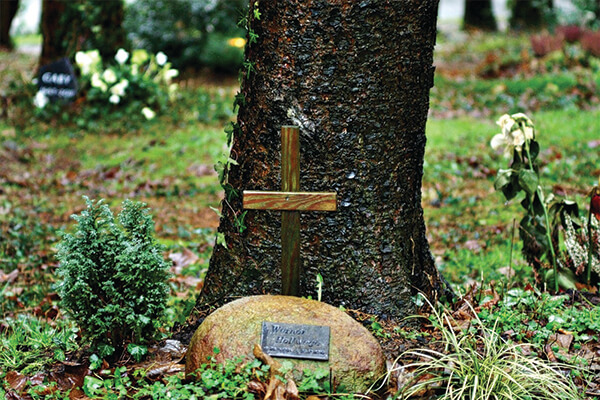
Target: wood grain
(290, 201)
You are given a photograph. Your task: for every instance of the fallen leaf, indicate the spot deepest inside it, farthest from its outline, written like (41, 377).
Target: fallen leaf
(10, 277)
(291, 390)
(593, 144)
(561, 340)
(182, 259)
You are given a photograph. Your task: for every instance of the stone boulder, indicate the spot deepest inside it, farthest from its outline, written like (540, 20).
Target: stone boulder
(356, 359)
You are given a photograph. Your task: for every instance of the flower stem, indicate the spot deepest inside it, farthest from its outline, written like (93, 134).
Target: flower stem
(588, 272)
(540, 194)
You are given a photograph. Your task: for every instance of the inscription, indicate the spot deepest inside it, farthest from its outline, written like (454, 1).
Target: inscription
(57, 80)
(295, 341)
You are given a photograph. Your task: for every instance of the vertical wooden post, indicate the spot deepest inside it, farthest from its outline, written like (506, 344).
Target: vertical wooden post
(290, 220)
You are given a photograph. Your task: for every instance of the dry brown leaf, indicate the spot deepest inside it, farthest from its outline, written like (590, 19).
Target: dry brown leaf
(291, 390)
(182, 259)
(10, 277)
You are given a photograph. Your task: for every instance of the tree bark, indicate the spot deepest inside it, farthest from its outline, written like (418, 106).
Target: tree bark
(53, 32)
(530, 14)
(479, 15)
(70, 26)
(355, 76)
(8, 10)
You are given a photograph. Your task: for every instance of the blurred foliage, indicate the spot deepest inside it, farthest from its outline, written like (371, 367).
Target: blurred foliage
(182, 28)
(83, 25)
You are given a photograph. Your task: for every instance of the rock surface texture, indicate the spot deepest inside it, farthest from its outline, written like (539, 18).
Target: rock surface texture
(355, 357)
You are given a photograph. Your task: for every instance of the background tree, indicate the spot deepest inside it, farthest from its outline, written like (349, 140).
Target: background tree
(479, 15)
(187, 30)
(8, 10)
(70, 26)
(355, 76)
(530, 14)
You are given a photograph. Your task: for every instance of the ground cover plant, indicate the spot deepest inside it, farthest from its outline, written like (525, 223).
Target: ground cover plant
(48, 164)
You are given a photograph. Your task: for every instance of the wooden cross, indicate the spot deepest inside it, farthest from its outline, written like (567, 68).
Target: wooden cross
(290, 201)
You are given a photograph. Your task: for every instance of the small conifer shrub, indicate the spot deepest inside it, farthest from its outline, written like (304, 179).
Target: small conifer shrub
(114, 276)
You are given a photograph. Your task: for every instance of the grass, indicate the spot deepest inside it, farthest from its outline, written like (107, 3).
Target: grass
(478, 364)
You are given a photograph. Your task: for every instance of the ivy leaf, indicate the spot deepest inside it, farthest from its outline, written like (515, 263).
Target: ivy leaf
(137, 351)
(528, 180)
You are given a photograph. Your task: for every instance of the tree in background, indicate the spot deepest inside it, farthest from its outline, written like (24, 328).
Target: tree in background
(70, 26)
(479, 15)
(8, 10)
(187, 30)
(355, 76)
(530, 14)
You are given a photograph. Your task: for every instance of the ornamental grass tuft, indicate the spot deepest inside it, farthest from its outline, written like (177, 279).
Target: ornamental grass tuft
(478, 364)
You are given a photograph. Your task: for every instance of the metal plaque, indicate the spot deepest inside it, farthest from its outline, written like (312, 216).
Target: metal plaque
(310, 342)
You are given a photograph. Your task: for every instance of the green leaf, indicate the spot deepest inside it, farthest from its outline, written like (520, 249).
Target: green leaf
(137, 351)
(528, 180)
(534, 150)
(216, 210)
(221, 239)
(510, 191)
(503, 178)
(566, 279)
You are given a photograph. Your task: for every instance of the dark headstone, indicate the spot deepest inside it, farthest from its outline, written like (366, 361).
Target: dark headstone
(57, 80)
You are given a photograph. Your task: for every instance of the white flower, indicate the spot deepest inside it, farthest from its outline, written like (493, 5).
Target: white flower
(83, 61)
(139, 56)
(169, 74)
(109, 76)
(97, 82)
(40, 99)
(148, 113)
(88, 61)
(119, 88)
(135, 69)
(161, 58)
(517, 129)
(121, 56)
(114, 99)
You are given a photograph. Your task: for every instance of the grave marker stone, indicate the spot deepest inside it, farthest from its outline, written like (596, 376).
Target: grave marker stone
(57, 80)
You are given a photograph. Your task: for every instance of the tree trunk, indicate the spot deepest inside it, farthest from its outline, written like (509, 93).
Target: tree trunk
(8, 10)
(70, 26)
(355, 76)
(530, 14)
(479, 15)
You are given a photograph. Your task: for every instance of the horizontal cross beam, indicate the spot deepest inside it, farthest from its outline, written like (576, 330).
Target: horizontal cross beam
(290, 201)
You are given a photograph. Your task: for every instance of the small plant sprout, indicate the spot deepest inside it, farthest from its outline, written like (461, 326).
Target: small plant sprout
(319, 286)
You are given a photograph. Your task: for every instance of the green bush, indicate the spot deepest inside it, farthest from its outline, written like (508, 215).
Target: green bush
(181, 28)
(114, 276)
